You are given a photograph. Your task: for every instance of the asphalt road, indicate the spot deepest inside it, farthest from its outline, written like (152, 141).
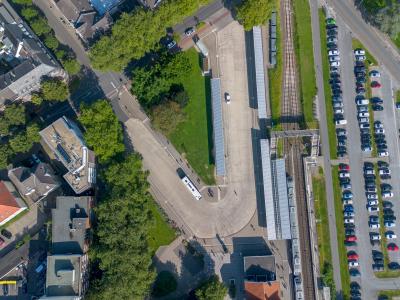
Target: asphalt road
(372, 39)
(323, 129)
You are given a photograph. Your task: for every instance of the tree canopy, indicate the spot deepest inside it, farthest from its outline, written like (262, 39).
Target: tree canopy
(254, 12)
(54, 89)
(212, 289)
(103, 130)
(139, 32)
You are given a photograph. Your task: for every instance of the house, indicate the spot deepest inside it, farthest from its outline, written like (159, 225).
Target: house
(23, 59)
(11, 204)
(67, 276)
(63, 140)
(35, 183)
(89, 18)
(71, 223)
(152, 4)
(260, 278)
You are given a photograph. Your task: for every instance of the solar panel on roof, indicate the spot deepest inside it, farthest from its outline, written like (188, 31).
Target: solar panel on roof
(218, 126)
(260, 76)
(63, 153)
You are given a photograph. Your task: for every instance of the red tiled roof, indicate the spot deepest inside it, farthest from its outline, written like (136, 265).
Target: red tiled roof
(262, 290)
(8, 204)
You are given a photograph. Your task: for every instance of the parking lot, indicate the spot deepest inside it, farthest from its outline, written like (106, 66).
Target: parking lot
(368, 146)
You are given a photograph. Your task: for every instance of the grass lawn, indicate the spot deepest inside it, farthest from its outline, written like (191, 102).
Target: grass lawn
(344, 271)
(305, 60)
(160, 233)
(275, 75)
(396, 41)
(398, 96)
(321, 215)
(327, 87)
(194, 136)
(389, 293)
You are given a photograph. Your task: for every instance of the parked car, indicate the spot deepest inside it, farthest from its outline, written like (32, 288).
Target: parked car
(333, 52)
(349, 220)
(375, 236)
(375, 84)
(393, 247)
(348, 214)
(353, 263)
(335, 64)
(351, 238)
(374, 225)
(394, 265)
(354, 272)
(387, 194)
(6, 233)
(390, 224)
(383, 153)
(377, 107)
(1, 243)
(373, 208)
(372, 196)
(227, 98)
(390, 235)
(347, 195)
(344, 174)
(360, 57)
(352, 255)
(359, 52)
(189, 31)
(387, 204)
(374, 74)
(171, 44)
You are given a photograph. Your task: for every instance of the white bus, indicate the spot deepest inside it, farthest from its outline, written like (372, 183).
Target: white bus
(195, 192)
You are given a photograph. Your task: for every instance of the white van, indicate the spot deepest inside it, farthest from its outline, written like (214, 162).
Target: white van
(362, 102)
(341, 122)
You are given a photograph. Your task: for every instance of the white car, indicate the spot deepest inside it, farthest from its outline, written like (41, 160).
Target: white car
(360, 57)
(334, 58)
(362, 102)
(378, 125)
(344, 175)
(363, 114)
(390, 235)
(375, 237)
(374, 225)
(348, 221)
(353, 264)
(347, 201)
(227, 98)
(363, 120)
(390, 224)
(335, 64)
(379, 130)
(372, 202)
(374, 74)
(333, 52)
(383, 153)
(387, 195)
(364, 125)
(372, 196)
(341, 122)
(369, 172)
(359, 52)
(338, 111)
(373, 208)
(348, 214)
(384, 172)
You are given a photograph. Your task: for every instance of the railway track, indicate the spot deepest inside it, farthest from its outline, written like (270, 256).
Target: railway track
(291, 114)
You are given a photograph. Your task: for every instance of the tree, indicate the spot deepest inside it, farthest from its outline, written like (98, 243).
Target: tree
(40, 26)
(54, 89)
(4, 126)
(15, 114)
(254, 12)
(5, 152)
(167, 116)
(60, 54)
(103, 130)
(32, 133)
(212, 289)
(23, 2)
(29, 13)
(51, 42)
(19, 143)
(165, 284)
(72, 66)
(36, 99)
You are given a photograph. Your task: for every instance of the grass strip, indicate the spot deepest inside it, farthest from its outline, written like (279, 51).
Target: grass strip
(356, 44)
(344, 269)
(275, 75)
(327, 87)
(305, 60)
(389, 293)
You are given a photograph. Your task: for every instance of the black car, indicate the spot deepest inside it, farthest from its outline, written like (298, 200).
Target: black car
(387, 204)
(341, 149)
(335, 86)
(364, 130)
(6, 233)
(380, 141)
(359, 84)
(342, 138)
(378, 261)
(360, 74)
(377, 107)
(377, 254)
(388, 212)
(350, 232)
(332, 46)
(334, 80)
(335, 75)
(394, 265)
(359, 69)
(370, 184)
(355, 285)
(386, 187)
(332, 32)
(380, 136)
(354, 272)
(368, 165)
(331, 26)
(360, 90)
(337, 98)
(349, 225)
(376, 100)
(388, 218)
(361, 79)
(355, 293)
(344, 180)
(336, 92)
(383, 164)
(360, 64)
(381, 146)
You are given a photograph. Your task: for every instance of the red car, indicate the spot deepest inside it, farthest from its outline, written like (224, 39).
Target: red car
(344, 167)
(375, 84)
(352, 256)
(351, 238)
(1, 242)
(393, 247)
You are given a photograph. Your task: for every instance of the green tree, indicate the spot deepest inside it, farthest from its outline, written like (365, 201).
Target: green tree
(23, 2)
(167, 116)
(60, 54)
(40, 26)
(54, 89)
(15, 114)
(72, 66)
(32, 133)
(29, 13)
(103, 130)
(212, 289)
(36, 99)
(51, 42)
(20, 143)
(254, 12)
(5, 153)
(4, 126)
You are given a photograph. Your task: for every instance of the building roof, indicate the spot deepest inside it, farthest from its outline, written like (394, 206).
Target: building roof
(10, 204)
(73, 8)
(262, 290)
(71, 219)
(64, 140)
(36, 183)
(64, 275)
(259, 268)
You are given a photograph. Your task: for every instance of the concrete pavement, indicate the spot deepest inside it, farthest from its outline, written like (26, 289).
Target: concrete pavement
(323, 129)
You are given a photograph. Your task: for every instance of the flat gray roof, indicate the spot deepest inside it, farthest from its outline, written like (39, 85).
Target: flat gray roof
(284, 219)
(260, 76)
(218, 126)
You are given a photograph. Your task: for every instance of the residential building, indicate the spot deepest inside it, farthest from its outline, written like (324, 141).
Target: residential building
(260, 278)
(152, 4)
(23, 58)
(35, 183)
(63, 140)
(70, 226)
(11, 204)
(67, 276)
(89, 18)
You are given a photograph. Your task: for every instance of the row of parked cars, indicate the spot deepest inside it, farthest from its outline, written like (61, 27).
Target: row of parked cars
(335, 82)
